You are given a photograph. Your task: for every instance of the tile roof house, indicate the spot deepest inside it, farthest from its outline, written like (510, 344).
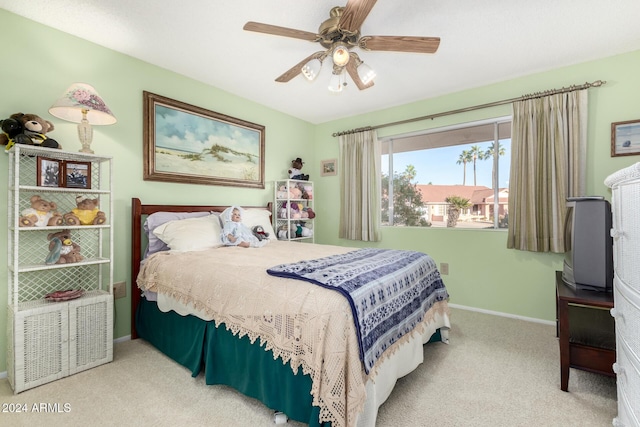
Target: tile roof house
(482, 201)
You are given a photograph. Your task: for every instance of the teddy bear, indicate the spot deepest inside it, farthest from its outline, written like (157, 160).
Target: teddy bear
(62, 250)
(33, 130)
(12, 132)
(42, 213)
(295, 171)
(86, 212)
(259, 232)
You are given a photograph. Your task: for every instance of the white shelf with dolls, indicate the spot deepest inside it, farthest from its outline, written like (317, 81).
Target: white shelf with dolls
(60, 269)
(293, 214)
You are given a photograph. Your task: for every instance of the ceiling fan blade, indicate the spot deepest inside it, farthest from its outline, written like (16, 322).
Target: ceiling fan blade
(280, 31)
(352, 69)
(297, 69)
(354, 14)
(400, 43)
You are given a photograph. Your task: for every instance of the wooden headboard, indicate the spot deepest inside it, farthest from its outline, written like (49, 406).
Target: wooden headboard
(139, 213)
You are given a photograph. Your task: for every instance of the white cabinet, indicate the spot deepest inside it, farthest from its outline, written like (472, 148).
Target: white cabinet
(49, 339)
(625, 185)
(293, 214)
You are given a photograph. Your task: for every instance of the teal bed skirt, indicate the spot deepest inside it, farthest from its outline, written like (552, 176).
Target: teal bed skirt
(226, 359)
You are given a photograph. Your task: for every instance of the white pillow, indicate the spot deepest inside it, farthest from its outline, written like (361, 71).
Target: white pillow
(252, 217)
(191, 234)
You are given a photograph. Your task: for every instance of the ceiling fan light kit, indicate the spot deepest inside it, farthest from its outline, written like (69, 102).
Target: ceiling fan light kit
(337, 82)
(340, 54)
(311, 69)
(338, 35)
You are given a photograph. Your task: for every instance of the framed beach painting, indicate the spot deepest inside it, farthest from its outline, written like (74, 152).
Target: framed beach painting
(625, 138)
(188, 144)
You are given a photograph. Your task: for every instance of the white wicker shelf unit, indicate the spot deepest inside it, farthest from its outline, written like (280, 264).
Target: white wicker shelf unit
(49, 340)
(293, 223)
(625, 205)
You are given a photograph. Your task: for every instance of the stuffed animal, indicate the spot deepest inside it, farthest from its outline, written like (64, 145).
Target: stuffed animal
(41, 214)
(12, 130)
(33, 131)
(259, 232)
(307, 192)
(295, 172)
(62, 250)
(303, 230)
(86, 213)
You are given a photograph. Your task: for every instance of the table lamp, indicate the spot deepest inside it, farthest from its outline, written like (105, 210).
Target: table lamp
(81, 104)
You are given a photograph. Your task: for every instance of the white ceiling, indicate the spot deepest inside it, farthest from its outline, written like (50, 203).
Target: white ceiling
(482, 42)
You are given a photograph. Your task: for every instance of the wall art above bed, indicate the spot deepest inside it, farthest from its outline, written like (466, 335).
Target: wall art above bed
(188, 144)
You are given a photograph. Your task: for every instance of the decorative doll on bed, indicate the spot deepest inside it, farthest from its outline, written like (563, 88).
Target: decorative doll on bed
(235, 233)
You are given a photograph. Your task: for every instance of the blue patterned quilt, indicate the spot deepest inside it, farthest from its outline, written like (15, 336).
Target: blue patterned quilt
(389, 291)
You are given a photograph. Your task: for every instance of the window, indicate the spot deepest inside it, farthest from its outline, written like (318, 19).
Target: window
(449, 177)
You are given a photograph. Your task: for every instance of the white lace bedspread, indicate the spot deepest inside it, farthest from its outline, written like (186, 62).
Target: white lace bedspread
(305, 325)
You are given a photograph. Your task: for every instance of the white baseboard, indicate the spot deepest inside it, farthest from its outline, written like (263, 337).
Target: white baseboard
(498, 313)
(122, 339)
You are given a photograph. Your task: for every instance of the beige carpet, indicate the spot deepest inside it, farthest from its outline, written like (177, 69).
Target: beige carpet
(495, 372)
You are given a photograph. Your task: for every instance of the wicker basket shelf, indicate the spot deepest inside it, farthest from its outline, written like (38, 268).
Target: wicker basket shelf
(49, 340)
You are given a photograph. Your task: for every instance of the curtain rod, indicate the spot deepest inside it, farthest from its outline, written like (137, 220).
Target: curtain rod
(571, 88)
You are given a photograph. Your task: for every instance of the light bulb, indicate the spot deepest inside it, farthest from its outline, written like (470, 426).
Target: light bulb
(340, 55)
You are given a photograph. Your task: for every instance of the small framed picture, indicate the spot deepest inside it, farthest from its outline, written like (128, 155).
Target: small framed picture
(625, 138)
(77, 174)
(329, 167)
(49, 172)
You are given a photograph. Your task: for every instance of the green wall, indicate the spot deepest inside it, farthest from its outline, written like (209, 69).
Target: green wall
(483, 273)
(40, 63)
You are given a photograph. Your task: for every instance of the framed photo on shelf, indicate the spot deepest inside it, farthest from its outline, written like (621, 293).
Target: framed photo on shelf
(329, 167)
(625, 138)
(49, 172)
(77, 174)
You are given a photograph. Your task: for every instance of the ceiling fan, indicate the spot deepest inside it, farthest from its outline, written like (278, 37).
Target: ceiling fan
(338, 35)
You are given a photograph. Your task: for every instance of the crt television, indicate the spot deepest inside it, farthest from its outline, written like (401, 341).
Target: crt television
(588, 263)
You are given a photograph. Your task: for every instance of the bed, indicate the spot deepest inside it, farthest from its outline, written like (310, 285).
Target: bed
(289, 343)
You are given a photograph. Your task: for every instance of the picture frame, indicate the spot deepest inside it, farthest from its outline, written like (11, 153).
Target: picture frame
(50, 172)
(625, 138)
(77, 174)
(329, 167)
(187, 144)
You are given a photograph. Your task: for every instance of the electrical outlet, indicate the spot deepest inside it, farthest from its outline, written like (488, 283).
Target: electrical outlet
(119, 290)
(444, 268)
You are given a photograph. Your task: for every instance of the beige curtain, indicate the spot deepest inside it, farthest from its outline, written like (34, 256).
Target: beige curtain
(360, 186)
(548, 161)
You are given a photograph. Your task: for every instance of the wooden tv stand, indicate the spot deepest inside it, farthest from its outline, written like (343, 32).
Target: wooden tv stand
(586, 331)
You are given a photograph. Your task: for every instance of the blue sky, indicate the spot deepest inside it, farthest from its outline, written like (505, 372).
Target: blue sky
(438, 165)
(188, 132)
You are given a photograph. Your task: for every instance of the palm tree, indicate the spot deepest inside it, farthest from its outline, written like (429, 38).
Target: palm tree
(465, 157)
(456, 205)
(477, 154)
(488, 155)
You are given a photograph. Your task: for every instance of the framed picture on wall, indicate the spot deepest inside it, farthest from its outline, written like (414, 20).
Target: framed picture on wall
(49, 172)
(329, 167)
(625, 138)
(193, 145)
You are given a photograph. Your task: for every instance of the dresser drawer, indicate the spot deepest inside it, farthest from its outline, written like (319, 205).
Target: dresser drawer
(626, 311)
(626, 231)
(627, 369)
